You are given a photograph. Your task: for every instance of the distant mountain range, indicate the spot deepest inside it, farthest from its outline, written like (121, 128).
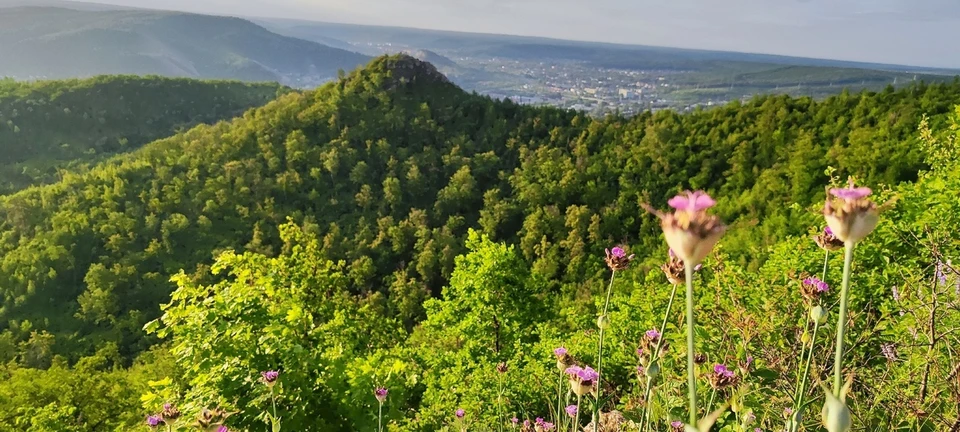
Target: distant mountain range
(54, 42)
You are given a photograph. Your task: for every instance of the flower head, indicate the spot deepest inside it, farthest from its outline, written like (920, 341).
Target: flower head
(571, 410)
(514, 420)
(692, 202)
(502, 367)
(582, 380)
(560, 352)
(169, 412)
(812, 288)
(270, 377)
(617, 258)
(460, 413)
(827, 240)
(690, 232)
(676, 426)
(653, 335)
(564, 360)
(154, 421)
(722, 377)
(850, 215)
(544, 426)
(381, 394)
(223, 428)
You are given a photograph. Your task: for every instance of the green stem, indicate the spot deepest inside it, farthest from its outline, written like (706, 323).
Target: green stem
(604, 321)
(576, 421)
(273, 399)
(802, 390)
(560, 399)
(656, 354)
(499, 404)
(713, 396)
(691, 373)
(380, 419)
(646, 400)
(842, 319)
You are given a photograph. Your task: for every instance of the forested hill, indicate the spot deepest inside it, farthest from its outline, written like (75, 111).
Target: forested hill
(46, 126)
(49, 42)
(393, 164)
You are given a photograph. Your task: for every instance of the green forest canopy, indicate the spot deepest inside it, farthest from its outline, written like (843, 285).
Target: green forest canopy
(394, 164)
(46, 126)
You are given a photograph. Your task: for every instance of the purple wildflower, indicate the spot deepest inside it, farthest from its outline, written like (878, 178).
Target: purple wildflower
(941, 276)
(526, 424)
(757, 430)
(560, 352)
(460, 413)
(381, 394)
(692, 202)
(818, 284)
(573, 371)
(547, 426)
(851, 193)
(787, 412)
(618, 252)
(653, 335)
(514, 420)
(154, 421)
(640, 369)
(721, 370)
(223, 428)
(828, 231)
(896, 293)
(587, 374)
(676, 423)
(571, 410)
(270, 376)
(539, 421)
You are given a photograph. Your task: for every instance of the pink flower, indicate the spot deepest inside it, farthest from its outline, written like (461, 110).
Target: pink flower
(653, 335)
(721, 370)
(571, 410)
(460, 413)
(587, 374)
(692, 202)
(851, 193)
(381, 394)
(560, 352)
(573, 370)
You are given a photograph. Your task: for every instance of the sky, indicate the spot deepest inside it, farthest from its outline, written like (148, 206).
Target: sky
(908, 32)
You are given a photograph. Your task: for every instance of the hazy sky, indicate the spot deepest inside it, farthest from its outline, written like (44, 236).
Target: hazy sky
(913, 32)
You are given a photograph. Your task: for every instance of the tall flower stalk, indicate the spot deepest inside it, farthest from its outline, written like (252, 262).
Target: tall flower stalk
(501, 370)
(851, 217)
(812, 289)
(692, 234)
(617, 259)
(270, 379)
(381, 394)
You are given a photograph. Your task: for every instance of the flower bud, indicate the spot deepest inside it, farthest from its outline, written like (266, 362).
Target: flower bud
(653, 371)
(603, 322)
(818, 315)
(805, 338)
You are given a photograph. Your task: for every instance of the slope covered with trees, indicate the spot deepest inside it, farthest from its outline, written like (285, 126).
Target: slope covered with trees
(48, 42)
(364, 219)
(48, 125)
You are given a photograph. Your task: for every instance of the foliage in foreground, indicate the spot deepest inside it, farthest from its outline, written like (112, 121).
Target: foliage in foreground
(904, 314)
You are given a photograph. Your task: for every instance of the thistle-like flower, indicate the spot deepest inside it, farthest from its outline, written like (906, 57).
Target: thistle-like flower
(502, 367)
(169, 412)
(460, 413)
(571, 410)
(154, 421)
(617, 258)
(223, 428)
(690, 232)
(582, 380)
(699, 359)
(812, 288)
(564, 360)
(850, 215)
(676, 426)
(381, 394)
(673, 269)
(827, 241)
(270, 377)
(722, 377)
(653, 335)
